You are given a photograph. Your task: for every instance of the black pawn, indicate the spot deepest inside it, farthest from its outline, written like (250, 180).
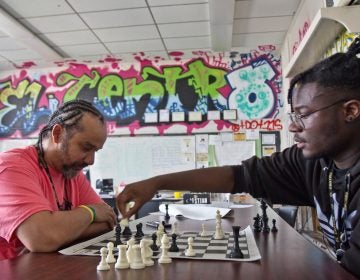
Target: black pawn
(118, 235)
(265, 226)
(236, 252)
(167, 216)
(174, 247)
(139, 233)
(274, 229)
(153, 246)
(126, 232)
(257, 223)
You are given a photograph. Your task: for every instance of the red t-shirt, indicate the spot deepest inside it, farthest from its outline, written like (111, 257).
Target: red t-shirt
(25, 189)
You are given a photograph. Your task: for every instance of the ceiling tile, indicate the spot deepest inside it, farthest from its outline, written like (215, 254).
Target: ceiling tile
(135, 46)
(69, 38)
(55, 23)
(174, 2)
(257, 39)
(20, 55)
(82, 50)
(181, 13)
(104, 5)
(185, 29)
(127, 33)
(8, 43)
(118, 18)
(263, 24)
(260, 8)
(187, 43)
(36, 8)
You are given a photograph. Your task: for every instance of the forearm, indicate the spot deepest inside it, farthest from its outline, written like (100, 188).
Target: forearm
(95, 229)
(215, 179)
(47, 231)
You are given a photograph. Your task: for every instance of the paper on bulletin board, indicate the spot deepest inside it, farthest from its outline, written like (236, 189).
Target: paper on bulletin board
(252, 134)
(233, 153)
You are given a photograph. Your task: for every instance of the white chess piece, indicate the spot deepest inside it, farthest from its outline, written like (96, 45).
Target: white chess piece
(137, 262)
(110, 256)
(122, 261)
(103, 265)
(124, 222)
(174, 228)
(146, 252)
(189, 252)
(129, 253)
(159, 234)
(219, 234)
(164, 258)
(203, 231)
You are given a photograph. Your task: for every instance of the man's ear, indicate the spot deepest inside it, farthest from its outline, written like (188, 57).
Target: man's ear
(56, 133)
(352, 110)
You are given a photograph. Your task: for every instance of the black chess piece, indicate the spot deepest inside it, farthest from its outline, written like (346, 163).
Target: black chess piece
(257, 223)
(263, 208)
(174, 247)
(118, 235)
(236, 252)
(139, 233)
(265, 226)
(167, 216)
(126, 232)
(153, 246)
(274, 228)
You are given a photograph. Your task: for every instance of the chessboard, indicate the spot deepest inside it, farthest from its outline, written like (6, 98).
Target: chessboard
(206, 247)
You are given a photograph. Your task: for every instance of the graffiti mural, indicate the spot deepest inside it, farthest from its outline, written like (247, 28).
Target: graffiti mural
(249, 83)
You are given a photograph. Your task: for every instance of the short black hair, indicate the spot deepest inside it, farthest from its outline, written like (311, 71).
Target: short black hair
(339, 71)
(68, 115)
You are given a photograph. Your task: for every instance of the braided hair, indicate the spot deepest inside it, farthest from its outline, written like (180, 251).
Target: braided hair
(68, 115)
(339, 71)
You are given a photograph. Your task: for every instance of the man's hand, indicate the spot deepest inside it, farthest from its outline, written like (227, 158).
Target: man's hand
(138, 193)
(104, 213)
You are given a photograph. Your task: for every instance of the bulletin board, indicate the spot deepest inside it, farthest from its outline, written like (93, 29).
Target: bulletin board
(130, 159)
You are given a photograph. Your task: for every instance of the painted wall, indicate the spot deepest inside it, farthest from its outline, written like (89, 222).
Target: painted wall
(124, 92)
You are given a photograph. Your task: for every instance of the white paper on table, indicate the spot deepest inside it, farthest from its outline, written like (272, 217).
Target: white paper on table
(194, 211)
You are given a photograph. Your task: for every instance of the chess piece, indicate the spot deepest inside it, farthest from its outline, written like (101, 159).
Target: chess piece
(122, 261)
(265, 226)
(139, 233)
(129, 252)
(126, 232)
(159, 233)
(189, 252)
(203, 231)
(110, 256)
(174, 229)
(103, 265)
(173, 247)
(154, 246)
(164, 258)
(118, 235)
(236, 252)
(219, 234)
(146, 252)
(137, 262)
(257, 223)
(167, 216)
(274, 228)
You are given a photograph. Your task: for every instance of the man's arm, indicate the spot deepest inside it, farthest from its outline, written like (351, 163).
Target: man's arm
(214, 179)
(46, 231)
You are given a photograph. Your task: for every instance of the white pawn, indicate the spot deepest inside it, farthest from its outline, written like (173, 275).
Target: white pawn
(137, 262)
(164, 258)
(103, 265)
(146, 252)
(122, 261)
(110, 256)
(189, 252)
(203, 231)
(129, 253)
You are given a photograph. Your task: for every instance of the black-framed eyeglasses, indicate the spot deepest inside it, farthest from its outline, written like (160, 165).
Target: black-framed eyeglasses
(298, 118)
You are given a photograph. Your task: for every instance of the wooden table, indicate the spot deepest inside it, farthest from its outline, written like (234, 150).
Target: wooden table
(285, 255)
